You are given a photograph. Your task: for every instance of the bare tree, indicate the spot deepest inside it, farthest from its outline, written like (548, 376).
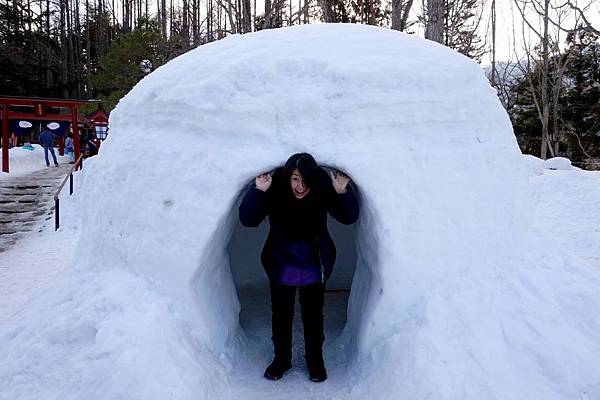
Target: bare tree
(400, 11)
(247, 16)
(581, 12)
(434, 22)
(455, 23)
(493, 22)
(546, 79)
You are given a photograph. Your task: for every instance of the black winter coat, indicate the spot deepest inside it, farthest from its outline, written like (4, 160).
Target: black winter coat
(292, 219)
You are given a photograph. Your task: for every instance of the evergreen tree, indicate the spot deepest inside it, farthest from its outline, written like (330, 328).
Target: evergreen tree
(581, 102)
(575, 76)
(126, 61)
(524, 117)
(370, 12)
(29, 60)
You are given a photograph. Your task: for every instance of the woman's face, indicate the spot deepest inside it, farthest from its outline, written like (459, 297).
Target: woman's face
(299, 189)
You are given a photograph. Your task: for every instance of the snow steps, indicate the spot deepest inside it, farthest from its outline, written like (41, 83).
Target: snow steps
(26, 200)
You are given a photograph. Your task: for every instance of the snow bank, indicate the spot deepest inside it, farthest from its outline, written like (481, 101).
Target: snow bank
(444, 304)
(23, 162)
(558, 163)
(533, 164)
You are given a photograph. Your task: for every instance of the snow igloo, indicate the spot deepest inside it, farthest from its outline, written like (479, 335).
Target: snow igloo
(416, 125)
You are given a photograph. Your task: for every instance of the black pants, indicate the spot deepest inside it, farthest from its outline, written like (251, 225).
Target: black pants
(283, 299)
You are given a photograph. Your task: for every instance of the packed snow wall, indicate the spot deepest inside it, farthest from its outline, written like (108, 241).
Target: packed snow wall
(416, 125)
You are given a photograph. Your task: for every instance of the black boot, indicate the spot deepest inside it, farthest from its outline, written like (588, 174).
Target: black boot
(316, 367)
(277, 369)
(311, 304)
(282, 305)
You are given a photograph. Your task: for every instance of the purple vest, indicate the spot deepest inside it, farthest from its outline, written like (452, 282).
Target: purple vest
(302, 265)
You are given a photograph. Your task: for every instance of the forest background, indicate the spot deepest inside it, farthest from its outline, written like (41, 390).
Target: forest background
(548, 77)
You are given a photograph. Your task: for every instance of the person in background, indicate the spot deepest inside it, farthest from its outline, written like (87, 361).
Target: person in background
(299, 253)
(47, 141)
(69, 149)
(92, 148)
(12, 142)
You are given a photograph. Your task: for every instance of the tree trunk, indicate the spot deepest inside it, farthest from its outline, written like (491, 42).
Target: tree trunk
(88, 49)
(434, 27)
(328, 15)
(400, 11)
(64, 50)
(493, 77)
(49, 80)
(163, 18)
(77, 53)
(186, 25)
(544, 84)
(306, 11)
(246, 16)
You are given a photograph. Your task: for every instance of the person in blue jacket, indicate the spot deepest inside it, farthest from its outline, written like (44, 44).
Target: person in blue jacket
(299, 253)
(47, 141)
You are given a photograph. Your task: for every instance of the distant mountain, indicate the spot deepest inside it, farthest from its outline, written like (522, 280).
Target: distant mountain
(507, 73)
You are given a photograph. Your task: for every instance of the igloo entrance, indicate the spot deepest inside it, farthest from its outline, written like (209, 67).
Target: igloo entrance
(252, 288)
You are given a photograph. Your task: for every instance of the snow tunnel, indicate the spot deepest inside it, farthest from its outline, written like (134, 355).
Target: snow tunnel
(252, 286)
(416, 125)
(237, 279)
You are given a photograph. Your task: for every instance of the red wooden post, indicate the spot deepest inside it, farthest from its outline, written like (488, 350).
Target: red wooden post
(5, 137)
(74, 122)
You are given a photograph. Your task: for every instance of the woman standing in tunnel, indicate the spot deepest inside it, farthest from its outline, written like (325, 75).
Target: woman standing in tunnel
(299, 253)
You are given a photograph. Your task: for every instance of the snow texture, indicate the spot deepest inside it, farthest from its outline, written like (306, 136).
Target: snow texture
(534, 165)
(457, 292)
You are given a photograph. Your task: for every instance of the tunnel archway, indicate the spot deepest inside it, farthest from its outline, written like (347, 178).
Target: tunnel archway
(252, 288)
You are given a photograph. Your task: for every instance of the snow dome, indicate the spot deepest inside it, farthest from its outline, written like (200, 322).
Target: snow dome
(416, 125)
(443, 304)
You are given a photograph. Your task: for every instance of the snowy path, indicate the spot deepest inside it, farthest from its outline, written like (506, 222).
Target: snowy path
(26, 200)
(32, 257)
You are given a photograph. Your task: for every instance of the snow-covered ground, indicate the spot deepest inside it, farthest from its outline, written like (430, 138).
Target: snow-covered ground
(23, 162)
(472, 278)
(42, 255)
(568, 210)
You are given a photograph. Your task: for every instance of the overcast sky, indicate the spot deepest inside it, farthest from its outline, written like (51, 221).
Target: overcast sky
(509, 32)
(509, 36)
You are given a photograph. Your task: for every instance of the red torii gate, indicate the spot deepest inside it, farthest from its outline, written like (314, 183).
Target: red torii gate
(38, 114)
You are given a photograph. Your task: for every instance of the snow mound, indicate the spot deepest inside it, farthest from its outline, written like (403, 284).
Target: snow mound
(558, 163)
(444, 302)
(533, 164)
(216, 117)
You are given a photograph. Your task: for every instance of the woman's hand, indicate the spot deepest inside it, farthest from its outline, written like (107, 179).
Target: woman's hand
(339, 181)
(263, 182)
